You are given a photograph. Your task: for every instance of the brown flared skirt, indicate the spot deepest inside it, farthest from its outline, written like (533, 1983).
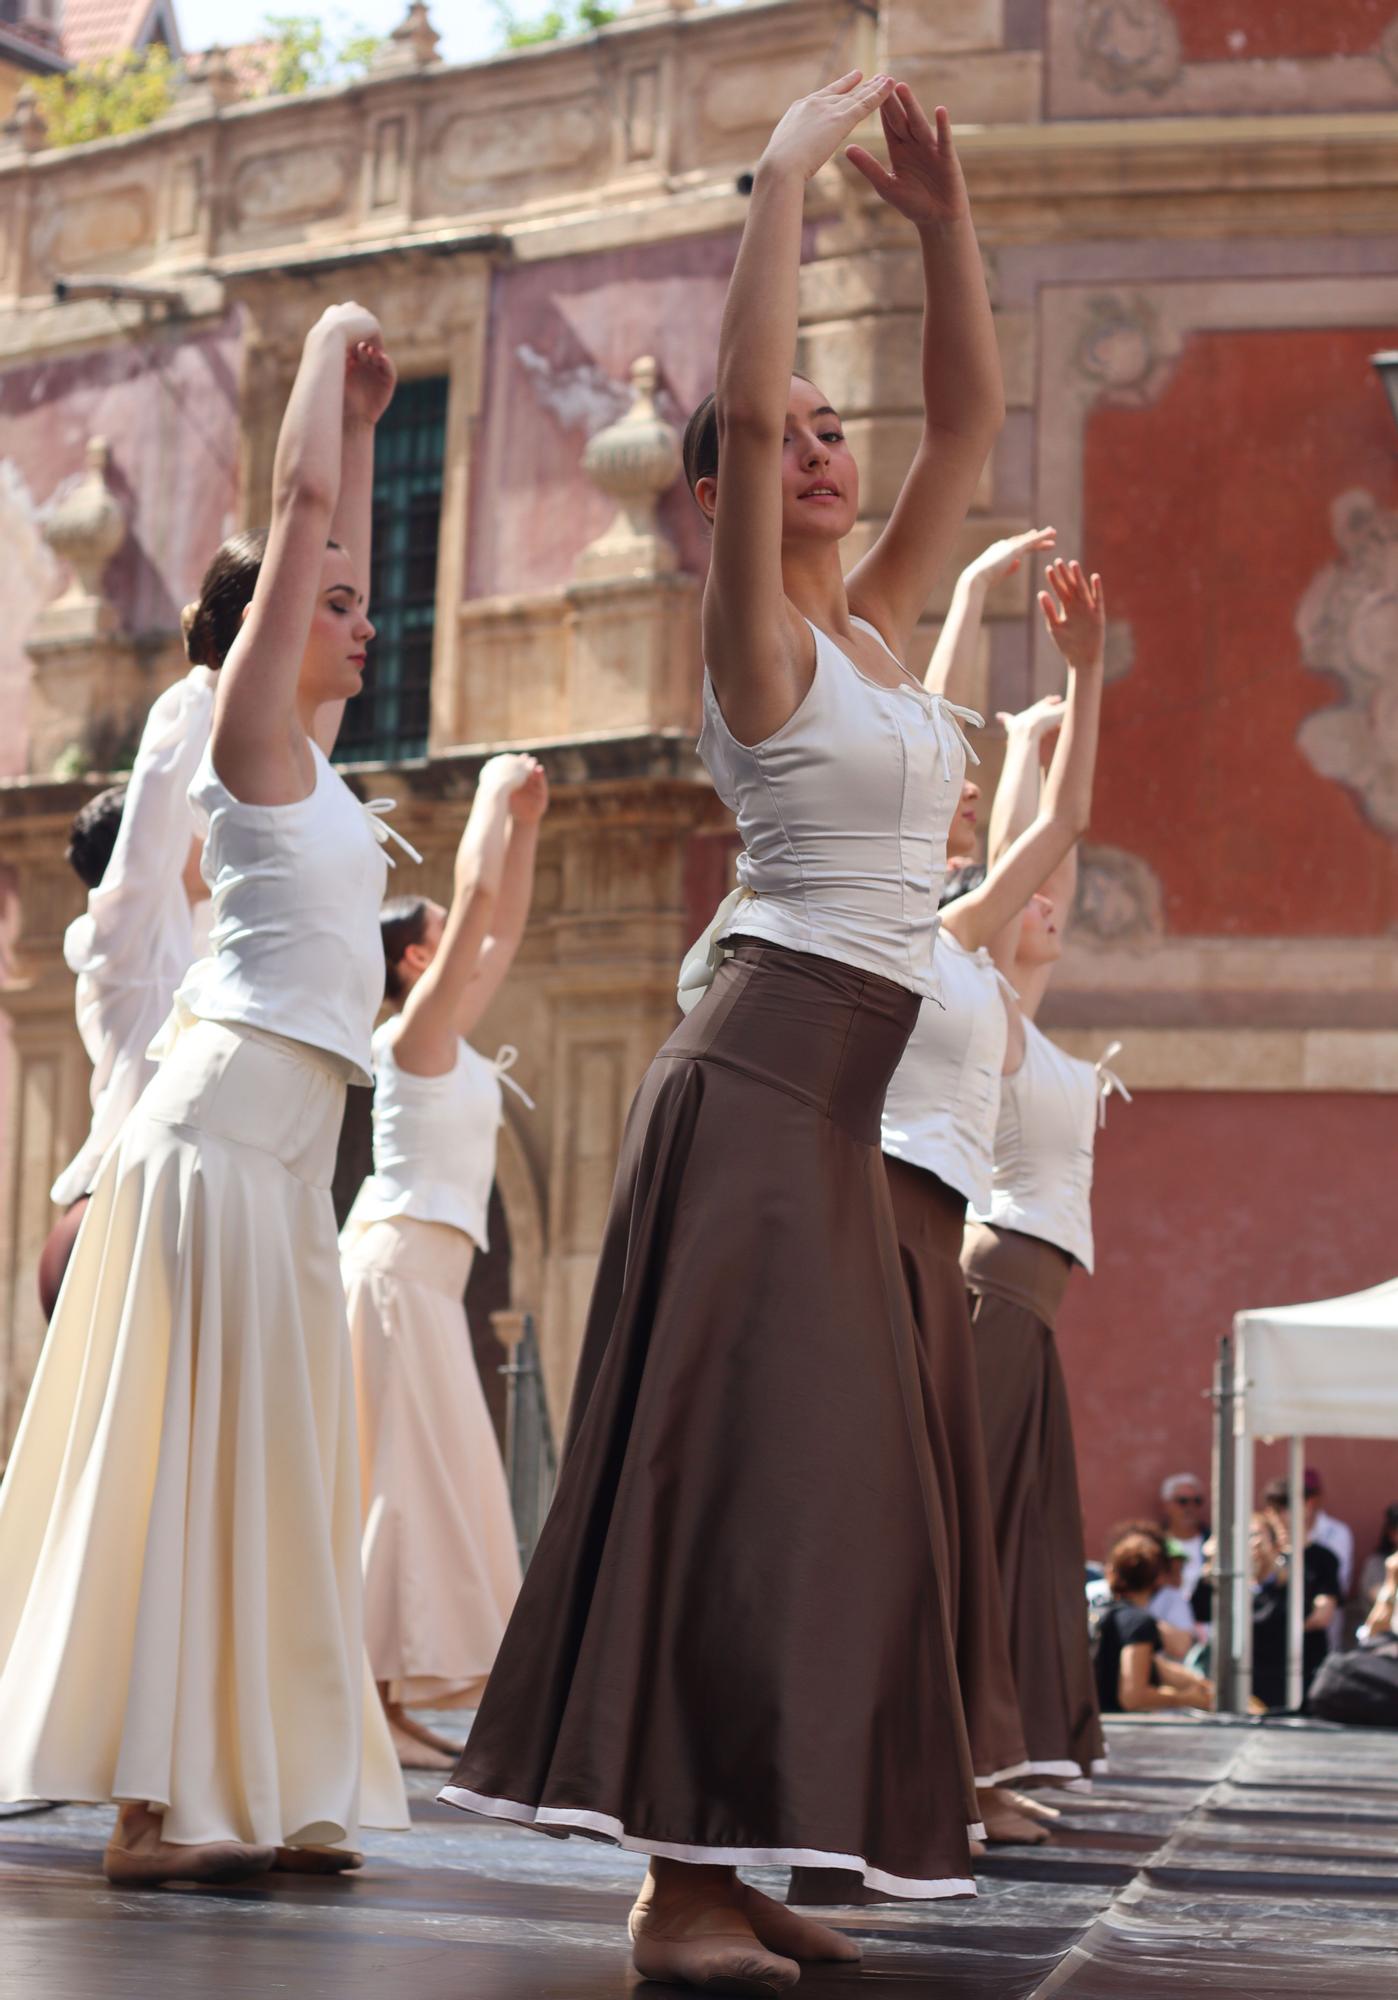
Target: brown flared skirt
(733, 1644)
(930, 1218)
(1016, 1285)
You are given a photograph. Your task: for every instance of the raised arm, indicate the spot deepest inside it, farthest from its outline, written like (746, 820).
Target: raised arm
(952, 671)
(528, 805)
(259, 734)
(759, 652)
(963, 392)
(1076, 617)
(426, 1044)
(368, 393)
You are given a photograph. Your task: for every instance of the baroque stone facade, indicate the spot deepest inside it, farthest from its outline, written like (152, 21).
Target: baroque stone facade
(1191, 247)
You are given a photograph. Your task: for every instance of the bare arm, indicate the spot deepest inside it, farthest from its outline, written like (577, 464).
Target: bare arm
(527, 808)
(963, 392)
(259, 744)
(1136, 1691)
(1076, 617)
(760, 654)
(952, 671)
(352, 526)
(426, 1044)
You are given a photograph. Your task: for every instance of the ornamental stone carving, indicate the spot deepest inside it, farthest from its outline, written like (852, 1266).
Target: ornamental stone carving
(1130, 45)
(1120, 901)
(1348, 627)
(294, 184)
(1117, 347)
(634, 461)
(412, 45)
(484, 148)
(25, 130)
(74, 233)
(1388, 48)
(84, 527)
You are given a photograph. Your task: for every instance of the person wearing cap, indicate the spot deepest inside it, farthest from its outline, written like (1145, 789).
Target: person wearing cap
(1183, 1501)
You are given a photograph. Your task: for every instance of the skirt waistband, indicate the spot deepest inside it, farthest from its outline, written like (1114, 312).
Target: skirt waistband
(426, 1253)
(254, 1089)
(1023, 1269)
(814, 1027)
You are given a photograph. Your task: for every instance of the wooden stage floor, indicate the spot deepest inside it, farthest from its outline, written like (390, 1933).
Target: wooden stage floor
(1216, 1859)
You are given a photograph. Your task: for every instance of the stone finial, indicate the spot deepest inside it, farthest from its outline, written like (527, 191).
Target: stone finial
(661, 6)
(212, 77)
(634, 460)
(25, 130)
(412, 44)
(85, 529)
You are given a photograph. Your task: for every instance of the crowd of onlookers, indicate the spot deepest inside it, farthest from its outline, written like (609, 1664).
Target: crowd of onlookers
(1151, 1609)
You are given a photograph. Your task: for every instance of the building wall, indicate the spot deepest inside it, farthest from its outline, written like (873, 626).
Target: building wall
(1188, 215)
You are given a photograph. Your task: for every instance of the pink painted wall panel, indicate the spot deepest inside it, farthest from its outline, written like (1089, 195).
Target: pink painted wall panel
(1206, 1204)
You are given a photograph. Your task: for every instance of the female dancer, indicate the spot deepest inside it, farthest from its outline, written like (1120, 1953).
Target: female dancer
(136, 849)
(1020, 1247)
(731, 1645)
(441, 1566)
(181, 1625)
(938, 1138)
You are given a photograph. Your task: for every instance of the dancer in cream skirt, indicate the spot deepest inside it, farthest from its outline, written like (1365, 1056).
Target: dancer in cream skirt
(181, 1626)
(441, 1563)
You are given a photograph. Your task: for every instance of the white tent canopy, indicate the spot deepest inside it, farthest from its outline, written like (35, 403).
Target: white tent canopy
(1324, 1370)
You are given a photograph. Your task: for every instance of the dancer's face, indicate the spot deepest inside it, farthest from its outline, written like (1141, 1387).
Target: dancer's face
(961, 835)
(332, 666)
(1040, 936)
(419, 956)
(820, 480)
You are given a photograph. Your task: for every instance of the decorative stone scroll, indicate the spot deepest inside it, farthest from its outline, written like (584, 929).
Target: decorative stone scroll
(1130, 45)
(1348, 627)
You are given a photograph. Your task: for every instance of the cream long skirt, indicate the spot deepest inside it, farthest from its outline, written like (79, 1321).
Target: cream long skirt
(181, 1614)
(441, 1564)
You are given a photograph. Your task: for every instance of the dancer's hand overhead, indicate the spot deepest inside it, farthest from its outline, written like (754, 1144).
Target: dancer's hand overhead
(1075, 612)
(923, 178)
(813, 129)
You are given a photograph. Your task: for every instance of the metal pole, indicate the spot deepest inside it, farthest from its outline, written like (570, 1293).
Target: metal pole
(1243, 1469)
(1225, 1666)
(1296, 1577)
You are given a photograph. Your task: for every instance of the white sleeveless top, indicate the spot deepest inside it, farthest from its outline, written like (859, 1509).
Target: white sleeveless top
(844, 813)
(1050, 1109)
(295, 947)
(434, 1140)
(944, 1099)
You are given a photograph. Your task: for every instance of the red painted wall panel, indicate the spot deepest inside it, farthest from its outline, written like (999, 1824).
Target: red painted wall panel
(1255, 30)
(1208, 510)
(1207, 1203)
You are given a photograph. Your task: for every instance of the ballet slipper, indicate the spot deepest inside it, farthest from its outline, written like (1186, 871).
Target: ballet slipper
(411, 1726)
(1032, 1808)
(704, 1939)
(137, 1856)
(415, 1755)
(791, 1936)
(317, 1860)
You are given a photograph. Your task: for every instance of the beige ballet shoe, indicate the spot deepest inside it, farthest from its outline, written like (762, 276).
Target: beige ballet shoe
(1032, 1808)
(317, 1860)
(414, 1754)
(138, 1858)
(791, 1936)
(710, 1945)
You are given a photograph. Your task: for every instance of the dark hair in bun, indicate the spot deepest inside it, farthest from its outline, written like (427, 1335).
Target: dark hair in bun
(211, 623)
(401, 922)
(94, 835)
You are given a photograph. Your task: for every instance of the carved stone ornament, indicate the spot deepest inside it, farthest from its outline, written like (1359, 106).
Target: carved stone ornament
(84, 528)
(1348, 627)
(1130, 45)
(1117, 347)
(24, 131)
(211, 79)
(635, 461)
(1388, 48)
(660, 7)
(413, 43)
(1119, 899)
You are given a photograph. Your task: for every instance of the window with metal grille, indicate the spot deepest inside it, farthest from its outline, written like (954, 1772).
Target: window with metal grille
(388, 720)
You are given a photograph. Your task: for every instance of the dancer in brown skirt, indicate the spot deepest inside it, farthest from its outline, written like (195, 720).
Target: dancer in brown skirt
(1027, 1232)
(938, 1138)
(732, 1645)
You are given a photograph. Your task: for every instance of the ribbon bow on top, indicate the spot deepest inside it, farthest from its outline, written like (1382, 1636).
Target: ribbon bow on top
(383, 834)
(1109, 1084)
(950, 713)
(701, 961)
(505, 1060)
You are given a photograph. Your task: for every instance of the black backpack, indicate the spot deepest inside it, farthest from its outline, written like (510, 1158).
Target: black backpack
(1359, 1688)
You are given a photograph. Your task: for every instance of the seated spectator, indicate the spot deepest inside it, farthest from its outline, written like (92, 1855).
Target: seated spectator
(1133, 1675)
(1375, 1570)
(1361, 1687)
(1267, 1547)
(1333, 1535)
(1185, 1509)
(1382, 1623)
(1170, 1606)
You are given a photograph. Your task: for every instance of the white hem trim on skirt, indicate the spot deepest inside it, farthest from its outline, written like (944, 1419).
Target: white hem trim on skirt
(576, 1819)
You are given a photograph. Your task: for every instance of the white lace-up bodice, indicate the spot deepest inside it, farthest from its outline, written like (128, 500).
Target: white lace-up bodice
(944, 1099)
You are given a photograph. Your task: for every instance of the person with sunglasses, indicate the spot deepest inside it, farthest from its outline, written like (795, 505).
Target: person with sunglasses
(1184, 1518)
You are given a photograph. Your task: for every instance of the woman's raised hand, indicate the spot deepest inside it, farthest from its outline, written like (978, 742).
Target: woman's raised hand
(505, 773)
(815, 127)
(1036, 720)
(1075, 612)
(923, 177)
(1002, 559)
(530, 800)
(370, 380)
(352, 323)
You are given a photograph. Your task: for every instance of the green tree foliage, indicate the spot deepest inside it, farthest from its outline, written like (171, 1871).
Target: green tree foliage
(305, 56)
(576, 18)
(98, 100)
